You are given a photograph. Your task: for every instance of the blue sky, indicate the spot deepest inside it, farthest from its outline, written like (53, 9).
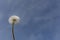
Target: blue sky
(40, 19)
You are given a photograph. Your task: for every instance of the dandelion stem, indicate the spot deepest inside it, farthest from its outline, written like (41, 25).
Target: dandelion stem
(13, 31)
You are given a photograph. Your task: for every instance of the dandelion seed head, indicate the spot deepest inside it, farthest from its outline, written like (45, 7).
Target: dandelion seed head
(14, 19)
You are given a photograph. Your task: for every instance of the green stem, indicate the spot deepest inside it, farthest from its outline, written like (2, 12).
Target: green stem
(13, 31)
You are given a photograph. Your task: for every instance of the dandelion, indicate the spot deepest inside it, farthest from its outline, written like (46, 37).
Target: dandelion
(13, 20)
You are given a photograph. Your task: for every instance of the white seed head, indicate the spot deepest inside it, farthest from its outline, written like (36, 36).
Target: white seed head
(14, 19)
